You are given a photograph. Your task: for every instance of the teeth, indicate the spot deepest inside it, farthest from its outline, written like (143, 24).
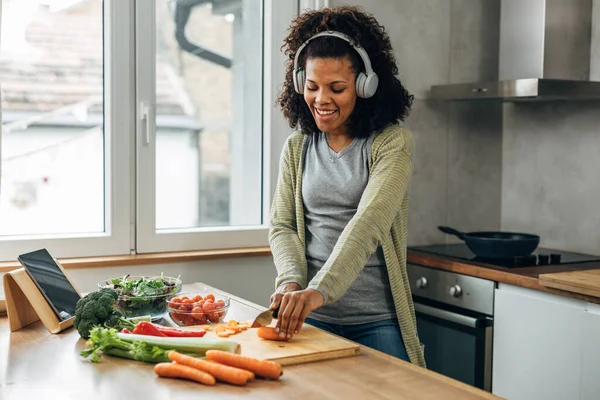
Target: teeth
(324, 112)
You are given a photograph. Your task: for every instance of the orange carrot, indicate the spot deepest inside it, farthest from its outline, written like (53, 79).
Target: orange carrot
(264, 368)
(268, 333)
(174, 370)
(223, 373)
(250, 374)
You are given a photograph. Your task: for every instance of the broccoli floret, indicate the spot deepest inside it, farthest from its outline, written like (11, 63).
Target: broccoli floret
(108, 300)
(113, 320)
(84, 328)
(98, 308)
(94, 309)
(90, 310)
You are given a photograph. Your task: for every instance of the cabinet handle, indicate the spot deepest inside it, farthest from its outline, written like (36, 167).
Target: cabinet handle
(447, 315)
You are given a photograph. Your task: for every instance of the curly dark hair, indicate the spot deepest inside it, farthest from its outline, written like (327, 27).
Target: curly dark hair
(391, 102)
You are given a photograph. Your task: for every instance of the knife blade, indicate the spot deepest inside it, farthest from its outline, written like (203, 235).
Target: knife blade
(265, 318)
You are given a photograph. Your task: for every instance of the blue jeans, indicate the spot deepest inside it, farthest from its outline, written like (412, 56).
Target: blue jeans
(381, 335)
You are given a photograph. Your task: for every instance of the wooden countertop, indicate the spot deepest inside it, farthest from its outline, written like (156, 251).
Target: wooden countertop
(37, 364)
(527, 277)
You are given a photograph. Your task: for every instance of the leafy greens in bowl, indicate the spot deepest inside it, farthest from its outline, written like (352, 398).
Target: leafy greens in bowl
(143, 295)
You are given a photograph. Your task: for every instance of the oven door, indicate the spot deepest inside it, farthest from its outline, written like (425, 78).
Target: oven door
(458, 344)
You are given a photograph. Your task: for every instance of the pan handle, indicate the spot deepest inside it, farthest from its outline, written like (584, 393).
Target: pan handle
(452, 231)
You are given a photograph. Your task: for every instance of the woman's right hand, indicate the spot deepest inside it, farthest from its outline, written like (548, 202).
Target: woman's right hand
(281, 290)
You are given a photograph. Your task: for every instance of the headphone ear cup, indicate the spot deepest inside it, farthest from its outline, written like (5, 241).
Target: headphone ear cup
(360, 82)
(366, 85)
(299, 78)
(371, 84)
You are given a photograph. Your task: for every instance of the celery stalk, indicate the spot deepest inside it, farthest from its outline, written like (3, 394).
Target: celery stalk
(184, 344)
(114, 351)
(151, 349)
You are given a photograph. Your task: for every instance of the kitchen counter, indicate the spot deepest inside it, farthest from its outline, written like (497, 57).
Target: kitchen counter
(37, 364)
(527, 277)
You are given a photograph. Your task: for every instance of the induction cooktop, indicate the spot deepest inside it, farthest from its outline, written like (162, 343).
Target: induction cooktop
(540, 257)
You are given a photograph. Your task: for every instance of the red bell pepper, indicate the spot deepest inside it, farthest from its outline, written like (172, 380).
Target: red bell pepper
(174, 332)
(147, 328)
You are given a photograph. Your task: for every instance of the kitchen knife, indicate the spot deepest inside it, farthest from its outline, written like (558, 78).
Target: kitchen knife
(265, 318)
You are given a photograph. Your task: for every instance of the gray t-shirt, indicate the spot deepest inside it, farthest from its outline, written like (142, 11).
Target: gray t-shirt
(332, 185)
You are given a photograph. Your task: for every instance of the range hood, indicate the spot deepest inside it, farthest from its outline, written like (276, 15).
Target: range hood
(549, 50)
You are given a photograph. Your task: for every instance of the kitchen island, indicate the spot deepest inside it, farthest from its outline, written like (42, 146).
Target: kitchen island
(37, 364)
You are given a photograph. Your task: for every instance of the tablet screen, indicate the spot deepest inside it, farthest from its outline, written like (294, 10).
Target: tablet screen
(51, 280)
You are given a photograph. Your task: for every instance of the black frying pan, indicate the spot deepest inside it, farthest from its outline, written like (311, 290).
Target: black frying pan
(497, 244)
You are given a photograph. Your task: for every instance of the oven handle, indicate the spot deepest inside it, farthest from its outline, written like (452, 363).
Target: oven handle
(451, 316)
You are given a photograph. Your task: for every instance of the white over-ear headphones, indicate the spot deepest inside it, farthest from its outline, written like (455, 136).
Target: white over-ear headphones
(366, 82)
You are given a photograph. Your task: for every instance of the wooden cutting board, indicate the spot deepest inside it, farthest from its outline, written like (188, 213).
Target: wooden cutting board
(583, 282)
(311, 344)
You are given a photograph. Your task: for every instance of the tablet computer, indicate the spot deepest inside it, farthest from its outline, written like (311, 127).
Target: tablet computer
(49, 276)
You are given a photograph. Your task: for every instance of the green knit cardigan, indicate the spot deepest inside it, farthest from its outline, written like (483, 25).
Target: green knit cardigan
(381, 219)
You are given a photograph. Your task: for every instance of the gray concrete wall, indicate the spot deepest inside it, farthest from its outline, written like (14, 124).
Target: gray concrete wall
(457, 177)
(551, 173)
(551, 164)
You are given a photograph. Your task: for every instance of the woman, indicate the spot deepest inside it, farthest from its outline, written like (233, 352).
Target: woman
(338, 223)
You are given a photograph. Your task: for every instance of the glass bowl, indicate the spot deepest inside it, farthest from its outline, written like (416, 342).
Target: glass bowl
(143, 295)
(190, 309)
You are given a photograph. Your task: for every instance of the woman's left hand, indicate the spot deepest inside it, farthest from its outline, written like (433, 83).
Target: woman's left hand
(294, 308)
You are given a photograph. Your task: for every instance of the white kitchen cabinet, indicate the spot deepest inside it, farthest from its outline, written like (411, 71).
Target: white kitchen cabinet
(590, 342)
(537, 345)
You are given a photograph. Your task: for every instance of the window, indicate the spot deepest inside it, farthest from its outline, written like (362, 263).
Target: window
(138, 126)
(62, 142)
(52, 121)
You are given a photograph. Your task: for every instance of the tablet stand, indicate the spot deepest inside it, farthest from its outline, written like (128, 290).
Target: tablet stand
(25, 304)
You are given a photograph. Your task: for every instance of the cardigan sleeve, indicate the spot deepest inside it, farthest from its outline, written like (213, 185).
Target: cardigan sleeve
(287, 249)
(381, 201)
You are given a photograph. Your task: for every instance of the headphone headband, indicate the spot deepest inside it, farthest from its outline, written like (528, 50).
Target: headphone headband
(366, 82)
(361, 52)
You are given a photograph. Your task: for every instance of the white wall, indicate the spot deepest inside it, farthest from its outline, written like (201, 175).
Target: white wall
(249, 278)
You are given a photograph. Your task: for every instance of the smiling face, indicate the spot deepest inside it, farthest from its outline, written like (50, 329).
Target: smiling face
(330, 93)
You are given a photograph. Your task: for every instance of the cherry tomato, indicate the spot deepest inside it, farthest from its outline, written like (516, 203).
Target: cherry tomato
(220, 304)
(177, 317)
(214, 317)
(188, 320)
(197, 312)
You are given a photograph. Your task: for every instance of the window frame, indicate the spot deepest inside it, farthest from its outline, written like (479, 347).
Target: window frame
(118, 121)
(276, 16)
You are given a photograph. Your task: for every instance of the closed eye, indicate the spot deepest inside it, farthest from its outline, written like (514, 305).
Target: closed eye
(336, 91)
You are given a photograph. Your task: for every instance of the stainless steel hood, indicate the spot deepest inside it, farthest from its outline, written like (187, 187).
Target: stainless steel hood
(549, 50)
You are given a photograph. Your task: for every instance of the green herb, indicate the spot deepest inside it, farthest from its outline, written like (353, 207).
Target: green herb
(143, 287)
(143, 296)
